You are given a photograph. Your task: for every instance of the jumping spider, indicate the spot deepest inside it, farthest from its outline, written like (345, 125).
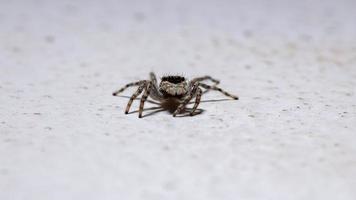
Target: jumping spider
(171, 88)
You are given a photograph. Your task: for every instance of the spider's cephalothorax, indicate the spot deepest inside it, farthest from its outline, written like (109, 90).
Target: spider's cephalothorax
(172, 87)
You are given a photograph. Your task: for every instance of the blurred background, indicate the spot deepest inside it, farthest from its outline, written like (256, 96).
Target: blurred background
(147, 34)
(290, 136)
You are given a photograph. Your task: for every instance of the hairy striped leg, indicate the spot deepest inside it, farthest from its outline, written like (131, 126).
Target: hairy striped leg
(197, 101)
(134, 96)
(127, 86)
(187, 99)
(155, 93)
(203, 78)
(144, 98)
(209, 87)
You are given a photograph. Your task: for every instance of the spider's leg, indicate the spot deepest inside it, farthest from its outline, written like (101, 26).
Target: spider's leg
(187, 99)
(197, 101)
(138, 92)
(213, 87)
(153, 78)
(203, 78)
(155, 93)
(127, 86)
(182, 105)
(144, 98)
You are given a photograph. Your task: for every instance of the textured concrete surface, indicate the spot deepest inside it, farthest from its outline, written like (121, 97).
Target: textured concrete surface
(291, 135)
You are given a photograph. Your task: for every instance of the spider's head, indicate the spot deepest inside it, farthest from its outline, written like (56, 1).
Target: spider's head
(175, 86)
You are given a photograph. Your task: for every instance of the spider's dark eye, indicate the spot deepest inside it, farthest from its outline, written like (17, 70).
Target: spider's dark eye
(173, 79)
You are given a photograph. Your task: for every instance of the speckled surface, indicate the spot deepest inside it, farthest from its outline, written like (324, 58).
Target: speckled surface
(291, 135)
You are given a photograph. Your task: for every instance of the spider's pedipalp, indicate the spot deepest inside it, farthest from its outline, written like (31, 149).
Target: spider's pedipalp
(213, 87)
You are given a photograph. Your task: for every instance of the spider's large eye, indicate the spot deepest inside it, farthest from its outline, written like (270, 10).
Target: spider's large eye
(173, 79)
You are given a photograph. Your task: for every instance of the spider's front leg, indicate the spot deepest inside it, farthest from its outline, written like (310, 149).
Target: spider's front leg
(153, 78)
(148, 87)
(134, 96)
(194, 91)
(155, 94)
(197, 101)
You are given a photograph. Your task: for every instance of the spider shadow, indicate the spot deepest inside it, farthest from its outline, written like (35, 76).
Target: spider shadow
(171, 106)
